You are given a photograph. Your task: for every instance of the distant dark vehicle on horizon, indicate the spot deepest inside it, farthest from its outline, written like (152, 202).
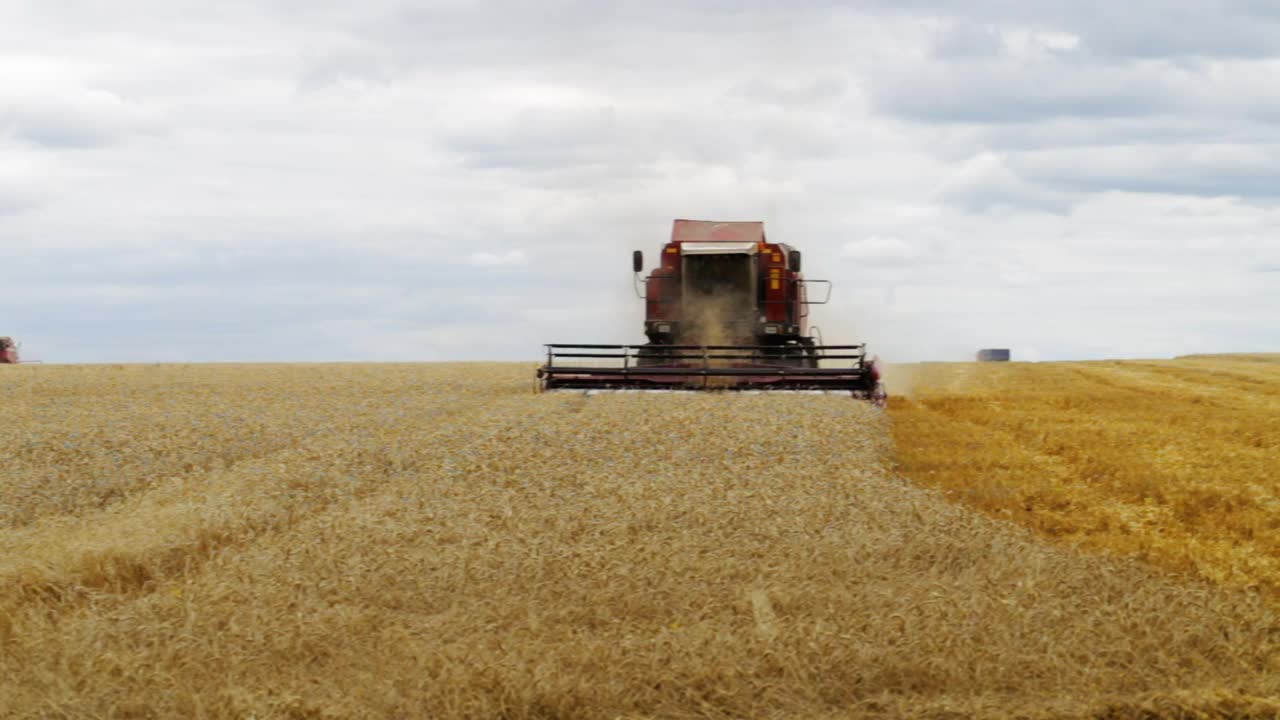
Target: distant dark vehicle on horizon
(994, 355)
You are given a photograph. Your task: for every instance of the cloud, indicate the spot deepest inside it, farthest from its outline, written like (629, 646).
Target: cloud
(1121, 31)
(72, 117)
(876, 250)
(963, 39)
(24, 178)
(488, 259)
(1008, 90)
(1239, 169)
(15, 199)
(1176, 29)
(791, 93)
(986, 181)
(534, 137)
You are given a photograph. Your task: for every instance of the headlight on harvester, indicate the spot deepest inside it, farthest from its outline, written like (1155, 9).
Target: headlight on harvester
(770, 329)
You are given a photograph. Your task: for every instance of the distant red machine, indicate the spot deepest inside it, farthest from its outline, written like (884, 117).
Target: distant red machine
(8, 351)
(724, 309)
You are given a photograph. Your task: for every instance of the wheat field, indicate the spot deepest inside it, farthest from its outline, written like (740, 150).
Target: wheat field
(332, 541)
(1176, 462)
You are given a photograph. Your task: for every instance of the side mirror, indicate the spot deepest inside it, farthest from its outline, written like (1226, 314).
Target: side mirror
(793, 260)
(637, 261)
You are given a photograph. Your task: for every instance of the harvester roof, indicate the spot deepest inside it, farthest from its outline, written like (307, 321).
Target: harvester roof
(712, 231)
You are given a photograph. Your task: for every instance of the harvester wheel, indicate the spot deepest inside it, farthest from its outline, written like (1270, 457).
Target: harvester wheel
(787, 355)
(880, 396)
(652, 355)
(810, 353)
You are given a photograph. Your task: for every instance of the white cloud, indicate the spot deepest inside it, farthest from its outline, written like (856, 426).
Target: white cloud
(987, 181)
(880, 250)
(72, 117)
(488, 259)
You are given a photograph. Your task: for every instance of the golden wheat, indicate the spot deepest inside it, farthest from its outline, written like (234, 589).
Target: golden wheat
(1176, 462)
(437, 541)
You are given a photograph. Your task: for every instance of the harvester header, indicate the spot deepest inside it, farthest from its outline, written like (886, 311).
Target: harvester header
(725, 309)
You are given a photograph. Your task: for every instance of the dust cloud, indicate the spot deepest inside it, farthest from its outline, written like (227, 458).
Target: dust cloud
(716, 318)
(898, 339)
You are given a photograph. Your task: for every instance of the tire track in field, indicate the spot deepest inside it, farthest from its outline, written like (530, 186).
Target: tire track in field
(1187, 381)
(1001, 451)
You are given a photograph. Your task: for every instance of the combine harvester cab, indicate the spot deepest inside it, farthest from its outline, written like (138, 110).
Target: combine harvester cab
(8, 351)
(724, 310)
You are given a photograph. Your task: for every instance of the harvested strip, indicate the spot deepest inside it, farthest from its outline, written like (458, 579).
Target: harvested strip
(1171, 461)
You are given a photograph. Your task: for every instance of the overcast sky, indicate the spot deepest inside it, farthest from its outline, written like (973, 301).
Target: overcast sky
(382, 180)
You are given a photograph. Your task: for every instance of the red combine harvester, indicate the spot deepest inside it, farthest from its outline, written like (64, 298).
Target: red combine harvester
(8, 351)
(724, 310)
